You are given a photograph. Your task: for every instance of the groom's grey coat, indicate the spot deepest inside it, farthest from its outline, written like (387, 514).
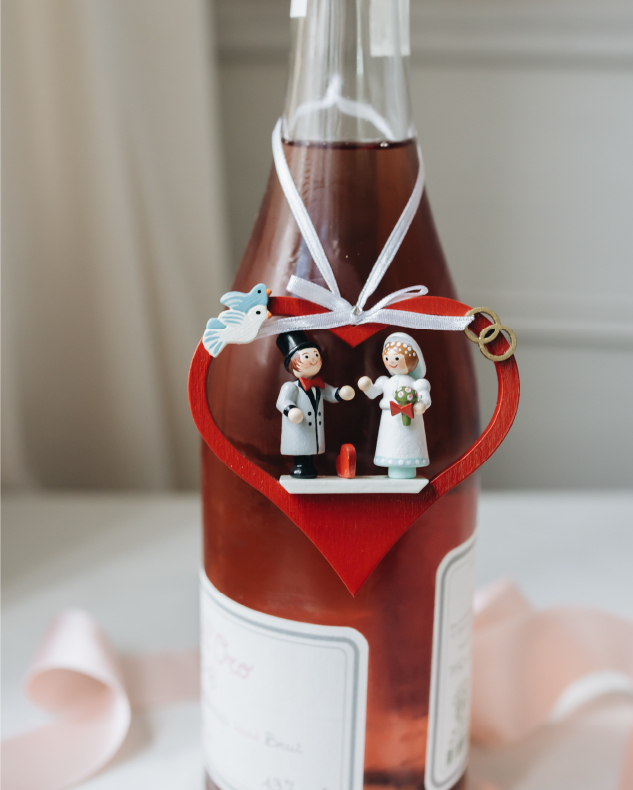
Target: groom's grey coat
(308, 437)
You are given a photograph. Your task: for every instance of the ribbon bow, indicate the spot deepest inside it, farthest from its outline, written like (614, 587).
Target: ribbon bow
(316, 381)
(397, 409)
(342, 312)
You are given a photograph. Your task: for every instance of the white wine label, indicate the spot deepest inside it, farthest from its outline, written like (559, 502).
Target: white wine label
(386, 36)
(449, 704)
(283, 702)
(298, 8)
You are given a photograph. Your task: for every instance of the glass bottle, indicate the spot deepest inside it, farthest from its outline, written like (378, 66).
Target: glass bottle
(350, 144)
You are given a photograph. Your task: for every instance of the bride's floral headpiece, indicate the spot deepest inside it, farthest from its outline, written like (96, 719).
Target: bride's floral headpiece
(401, 347)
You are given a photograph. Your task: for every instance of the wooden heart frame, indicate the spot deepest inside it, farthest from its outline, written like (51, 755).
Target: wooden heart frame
(355, 531)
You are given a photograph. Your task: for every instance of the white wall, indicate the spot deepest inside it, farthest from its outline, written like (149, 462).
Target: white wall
(525, 114)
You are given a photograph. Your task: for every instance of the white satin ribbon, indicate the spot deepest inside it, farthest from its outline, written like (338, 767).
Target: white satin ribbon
(334, 98)
(341, 312)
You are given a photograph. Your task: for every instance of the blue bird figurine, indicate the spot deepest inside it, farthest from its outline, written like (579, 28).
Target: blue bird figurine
(241, 322)
(236, 300)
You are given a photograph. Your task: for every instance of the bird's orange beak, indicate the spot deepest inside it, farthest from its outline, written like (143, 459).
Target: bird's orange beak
(268, 291)
(270, 315)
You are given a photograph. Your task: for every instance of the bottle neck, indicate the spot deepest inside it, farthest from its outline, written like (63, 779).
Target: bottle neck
(349, 72)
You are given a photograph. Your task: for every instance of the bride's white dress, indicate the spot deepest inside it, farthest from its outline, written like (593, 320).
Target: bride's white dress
(399, 444)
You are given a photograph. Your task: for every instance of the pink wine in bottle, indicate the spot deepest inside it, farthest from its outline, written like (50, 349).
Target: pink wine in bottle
(306, 687)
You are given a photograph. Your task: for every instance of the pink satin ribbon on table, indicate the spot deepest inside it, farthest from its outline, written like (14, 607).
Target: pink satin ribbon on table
(77, 675)
(523, 661)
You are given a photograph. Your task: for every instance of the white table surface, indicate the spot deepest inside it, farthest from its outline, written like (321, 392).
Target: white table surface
(132, 561)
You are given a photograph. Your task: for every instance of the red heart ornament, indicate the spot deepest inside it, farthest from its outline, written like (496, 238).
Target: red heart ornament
(355, 531)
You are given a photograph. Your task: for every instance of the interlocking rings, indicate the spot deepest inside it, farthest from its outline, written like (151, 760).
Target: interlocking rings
(490, 333)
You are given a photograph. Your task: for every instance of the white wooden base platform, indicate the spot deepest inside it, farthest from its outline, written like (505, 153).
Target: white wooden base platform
(365, 484)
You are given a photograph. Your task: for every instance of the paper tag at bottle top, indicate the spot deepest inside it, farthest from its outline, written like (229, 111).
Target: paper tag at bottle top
(385, 34)
(449, 704)
(283, 702)
(298, 8)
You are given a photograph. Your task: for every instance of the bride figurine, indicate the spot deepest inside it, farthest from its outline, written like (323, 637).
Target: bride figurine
(405, 396)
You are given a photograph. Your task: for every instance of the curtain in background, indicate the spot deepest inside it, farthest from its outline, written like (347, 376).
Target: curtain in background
(114, 250)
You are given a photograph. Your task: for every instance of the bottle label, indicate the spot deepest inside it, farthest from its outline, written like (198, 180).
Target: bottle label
(283, 702)
(386, 36)
(449, 704)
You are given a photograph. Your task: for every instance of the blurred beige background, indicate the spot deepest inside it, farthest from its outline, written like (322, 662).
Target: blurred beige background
(136, 148)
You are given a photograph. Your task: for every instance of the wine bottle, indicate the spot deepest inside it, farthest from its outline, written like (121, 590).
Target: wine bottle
(305, 686)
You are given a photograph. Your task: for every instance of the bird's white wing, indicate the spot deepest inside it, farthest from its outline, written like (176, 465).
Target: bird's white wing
(214, 340)
(231, 317)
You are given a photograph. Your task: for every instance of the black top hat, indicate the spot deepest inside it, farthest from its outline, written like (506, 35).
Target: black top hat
(291, 342)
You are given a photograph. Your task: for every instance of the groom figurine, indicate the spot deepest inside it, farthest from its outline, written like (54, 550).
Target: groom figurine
(301, 402)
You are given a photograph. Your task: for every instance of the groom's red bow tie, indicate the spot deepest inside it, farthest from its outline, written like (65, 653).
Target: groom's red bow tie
(317, 381)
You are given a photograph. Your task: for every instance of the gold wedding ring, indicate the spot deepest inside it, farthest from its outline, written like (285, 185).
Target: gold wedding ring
(490, 333)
